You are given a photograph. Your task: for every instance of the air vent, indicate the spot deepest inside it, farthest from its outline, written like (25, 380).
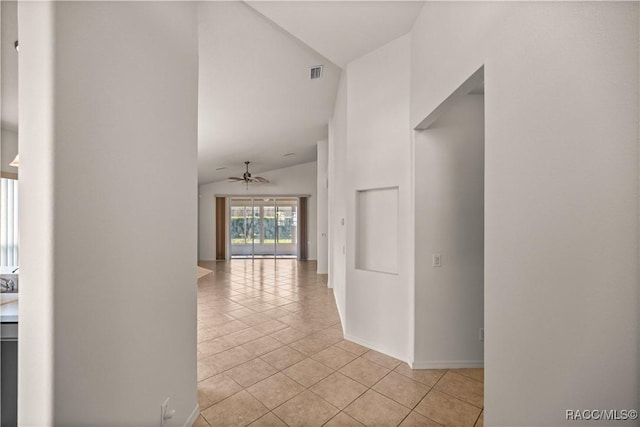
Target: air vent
(289, 154)
(222, 168)
(315, 72)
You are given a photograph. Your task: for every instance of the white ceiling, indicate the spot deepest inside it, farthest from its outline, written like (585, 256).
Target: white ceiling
(256, 101)
(342, 30)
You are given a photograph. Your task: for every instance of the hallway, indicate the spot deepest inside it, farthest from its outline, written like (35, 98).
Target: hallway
(271, 353)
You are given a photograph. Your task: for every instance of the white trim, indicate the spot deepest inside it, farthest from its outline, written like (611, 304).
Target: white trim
(259, 196)
(339, 310)
(193, 417)
(374, 347)
(446, 364)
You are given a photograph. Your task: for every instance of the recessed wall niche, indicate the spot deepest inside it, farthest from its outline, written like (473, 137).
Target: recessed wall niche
(377, 230)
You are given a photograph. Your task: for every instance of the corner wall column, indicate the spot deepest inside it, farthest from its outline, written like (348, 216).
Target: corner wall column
(108, 212)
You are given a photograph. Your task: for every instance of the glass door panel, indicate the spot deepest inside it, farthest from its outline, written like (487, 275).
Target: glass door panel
(241, 228)
(265, 245)
(286, 231)
(253, 218)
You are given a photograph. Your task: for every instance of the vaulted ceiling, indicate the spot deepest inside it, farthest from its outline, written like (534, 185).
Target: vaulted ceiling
(256, 101)
(342, 30)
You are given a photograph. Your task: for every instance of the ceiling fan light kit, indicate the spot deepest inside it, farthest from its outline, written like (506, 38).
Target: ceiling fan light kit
(247, 178)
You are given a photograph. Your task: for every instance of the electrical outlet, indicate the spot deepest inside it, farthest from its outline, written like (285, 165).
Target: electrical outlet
(165, 413)
(163, 410)
(481, 334)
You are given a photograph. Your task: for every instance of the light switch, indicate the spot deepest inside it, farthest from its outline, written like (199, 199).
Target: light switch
(437, 260)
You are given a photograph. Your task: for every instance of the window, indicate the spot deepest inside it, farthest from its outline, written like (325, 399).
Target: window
(8, 222)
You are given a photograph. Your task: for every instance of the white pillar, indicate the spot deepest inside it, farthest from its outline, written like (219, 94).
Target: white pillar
(322, 206)
(108, 179)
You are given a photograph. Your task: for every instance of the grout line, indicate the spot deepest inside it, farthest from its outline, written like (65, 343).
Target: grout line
(421, 399)
(283, 422)
(477, 419)
(456, 397)
(467, 376)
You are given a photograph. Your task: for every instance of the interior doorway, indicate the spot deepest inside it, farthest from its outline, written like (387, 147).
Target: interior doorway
(264, 227)
(449, 160)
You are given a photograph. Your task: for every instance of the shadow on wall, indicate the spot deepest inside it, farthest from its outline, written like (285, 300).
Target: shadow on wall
(449, 203)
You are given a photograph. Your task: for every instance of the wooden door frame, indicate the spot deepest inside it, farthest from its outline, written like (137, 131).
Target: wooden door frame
(302, 227)
(221, 228)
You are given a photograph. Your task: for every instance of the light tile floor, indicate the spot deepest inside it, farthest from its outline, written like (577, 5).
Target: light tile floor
(271, 353)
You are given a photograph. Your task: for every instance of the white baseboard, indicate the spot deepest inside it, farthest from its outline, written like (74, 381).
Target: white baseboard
(193, 417)
(374, 347)
(447, 364)
(339, 311)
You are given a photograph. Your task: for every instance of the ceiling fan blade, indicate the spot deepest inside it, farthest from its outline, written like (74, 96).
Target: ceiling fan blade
(246, 177)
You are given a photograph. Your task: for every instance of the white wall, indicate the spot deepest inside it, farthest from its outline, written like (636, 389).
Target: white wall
(291, 181)
(107, 212)
(322, 205)
(36, 373)
(378, 154)
(9, 150)
(336, 171)
(449, 204)
(561, 202)
(561, 207)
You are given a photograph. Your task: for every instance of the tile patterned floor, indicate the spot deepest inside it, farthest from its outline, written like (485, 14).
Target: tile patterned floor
(271, 353)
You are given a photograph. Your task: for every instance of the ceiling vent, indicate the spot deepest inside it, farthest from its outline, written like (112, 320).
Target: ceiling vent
(315, 72)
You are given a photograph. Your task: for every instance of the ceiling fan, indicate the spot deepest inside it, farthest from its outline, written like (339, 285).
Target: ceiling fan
(247, 178)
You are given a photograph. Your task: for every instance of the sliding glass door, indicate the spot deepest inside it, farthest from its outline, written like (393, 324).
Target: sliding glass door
(264, 227)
